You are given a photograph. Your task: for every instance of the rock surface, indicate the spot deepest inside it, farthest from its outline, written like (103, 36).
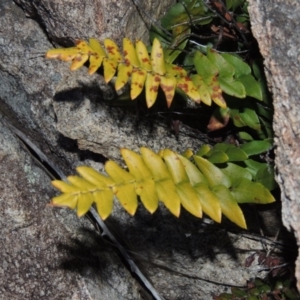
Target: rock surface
(275, 24)
(60, 112)
(46, 253)
(65, 21)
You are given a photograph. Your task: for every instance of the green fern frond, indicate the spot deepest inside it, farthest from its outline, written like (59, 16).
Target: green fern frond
(170, 178)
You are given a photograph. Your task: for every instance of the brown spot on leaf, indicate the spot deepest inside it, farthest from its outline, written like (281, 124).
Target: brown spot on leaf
(110, 49)
(154, 88)
(184, 87)
(167, 88)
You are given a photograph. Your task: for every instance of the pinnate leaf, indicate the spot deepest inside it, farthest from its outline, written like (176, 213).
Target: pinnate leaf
(130, 55)
(96, 58)
(64, 54)
(135, 164)
(209, 202)
(212, 173)
(168, 85)
(147, 191)
(195, 177)
(235, 172)
(252, 87)
(189, 198)
(240, 67)
(187, 86)
(217, 156)
(234, 153)
(203, 89)
(152, 84)
(265, 175)
(215, 91)
(229, 206)
(124, 73)
(257, 147)
(138, 79)
(157, 58)
(79, 61)
(65, 187)
(204, 149)
(170, 178)
(127, 196)
(224, 68)
(247, 191)
(232, 87)
(84, 202)
(143, 56)
(94, 177)
(215, 72)
(204, 66)
(219, 119)
(175, 166)
(144, 186)
(65, 200)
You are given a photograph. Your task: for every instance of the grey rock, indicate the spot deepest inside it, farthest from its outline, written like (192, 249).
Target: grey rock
(101, 128)
(48, 253)
(275, 24)
(65, 21)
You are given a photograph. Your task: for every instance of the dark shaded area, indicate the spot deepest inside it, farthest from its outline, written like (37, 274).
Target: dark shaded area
(76, 95)
(92, 256)
(179, 119)
(31, 9)
(87, 256)
(70, 145)
(186, 235)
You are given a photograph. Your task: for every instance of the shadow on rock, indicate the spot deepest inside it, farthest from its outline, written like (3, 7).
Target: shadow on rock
(87, 255)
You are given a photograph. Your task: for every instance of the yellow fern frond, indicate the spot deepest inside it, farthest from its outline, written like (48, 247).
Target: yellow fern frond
(146, 71)
(168, 177)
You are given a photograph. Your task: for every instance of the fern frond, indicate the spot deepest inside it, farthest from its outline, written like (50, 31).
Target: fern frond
(216, 73)
(170, 178)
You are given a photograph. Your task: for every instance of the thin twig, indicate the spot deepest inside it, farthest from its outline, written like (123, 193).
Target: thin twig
(186, 273)
(43, 158)
(152, 21)
(133, 267)
(230, 24)
(232, 52)
(192, 20)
